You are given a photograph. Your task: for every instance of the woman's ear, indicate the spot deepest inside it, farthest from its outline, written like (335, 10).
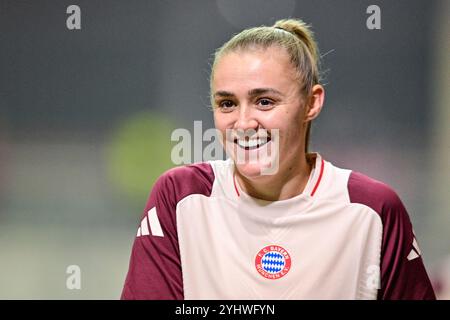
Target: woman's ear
(315, 102)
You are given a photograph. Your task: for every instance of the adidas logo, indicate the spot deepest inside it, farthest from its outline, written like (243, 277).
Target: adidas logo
(415, 252)
(150, 224)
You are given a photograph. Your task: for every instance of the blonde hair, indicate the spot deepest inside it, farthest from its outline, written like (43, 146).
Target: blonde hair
(295, 37)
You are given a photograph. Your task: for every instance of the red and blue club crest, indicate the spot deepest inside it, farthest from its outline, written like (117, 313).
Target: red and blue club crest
(273, 262)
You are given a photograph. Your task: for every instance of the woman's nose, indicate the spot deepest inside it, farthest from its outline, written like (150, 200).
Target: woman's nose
(246, 119)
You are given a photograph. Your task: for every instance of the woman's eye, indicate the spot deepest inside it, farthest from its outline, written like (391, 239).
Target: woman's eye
(226, 104)
(265, 102)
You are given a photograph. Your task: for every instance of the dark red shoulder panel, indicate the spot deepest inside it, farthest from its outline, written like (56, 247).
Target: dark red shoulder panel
(400, 278)
(155, 267)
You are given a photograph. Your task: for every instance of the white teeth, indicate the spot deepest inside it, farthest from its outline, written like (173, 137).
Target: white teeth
(252, 144)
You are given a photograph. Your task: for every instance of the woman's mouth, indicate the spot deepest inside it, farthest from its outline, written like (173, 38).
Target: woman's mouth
(251, 144)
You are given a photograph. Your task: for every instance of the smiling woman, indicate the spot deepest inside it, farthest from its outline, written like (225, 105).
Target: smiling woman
(305, 230)
(255, 91)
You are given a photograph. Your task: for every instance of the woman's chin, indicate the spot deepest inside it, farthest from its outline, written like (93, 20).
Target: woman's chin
(255, 163)
(252, 170)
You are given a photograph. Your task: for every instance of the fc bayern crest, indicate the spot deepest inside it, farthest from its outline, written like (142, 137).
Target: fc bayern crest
(273, 262)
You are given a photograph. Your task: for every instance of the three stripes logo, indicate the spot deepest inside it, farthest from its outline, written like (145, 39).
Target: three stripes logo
(273, 262)
(150, 224)
(415, 251)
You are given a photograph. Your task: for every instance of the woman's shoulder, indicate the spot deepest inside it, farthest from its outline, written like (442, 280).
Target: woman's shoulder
(373, 193)
(181, 181)
(190, 172)
(360, 183)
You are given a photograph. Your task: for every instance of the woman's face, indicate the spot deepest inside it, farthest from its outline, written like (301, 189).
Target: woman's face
(254, 92)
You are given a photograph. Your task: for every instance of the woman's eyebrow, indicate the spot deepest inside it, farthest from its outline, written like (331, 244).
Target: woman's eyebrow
(260, 91)
(251, 93)
(223, 94)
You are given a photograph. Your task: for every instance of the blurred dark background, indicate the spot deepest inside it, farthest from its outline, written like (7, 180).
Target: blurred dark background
(86, 118)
